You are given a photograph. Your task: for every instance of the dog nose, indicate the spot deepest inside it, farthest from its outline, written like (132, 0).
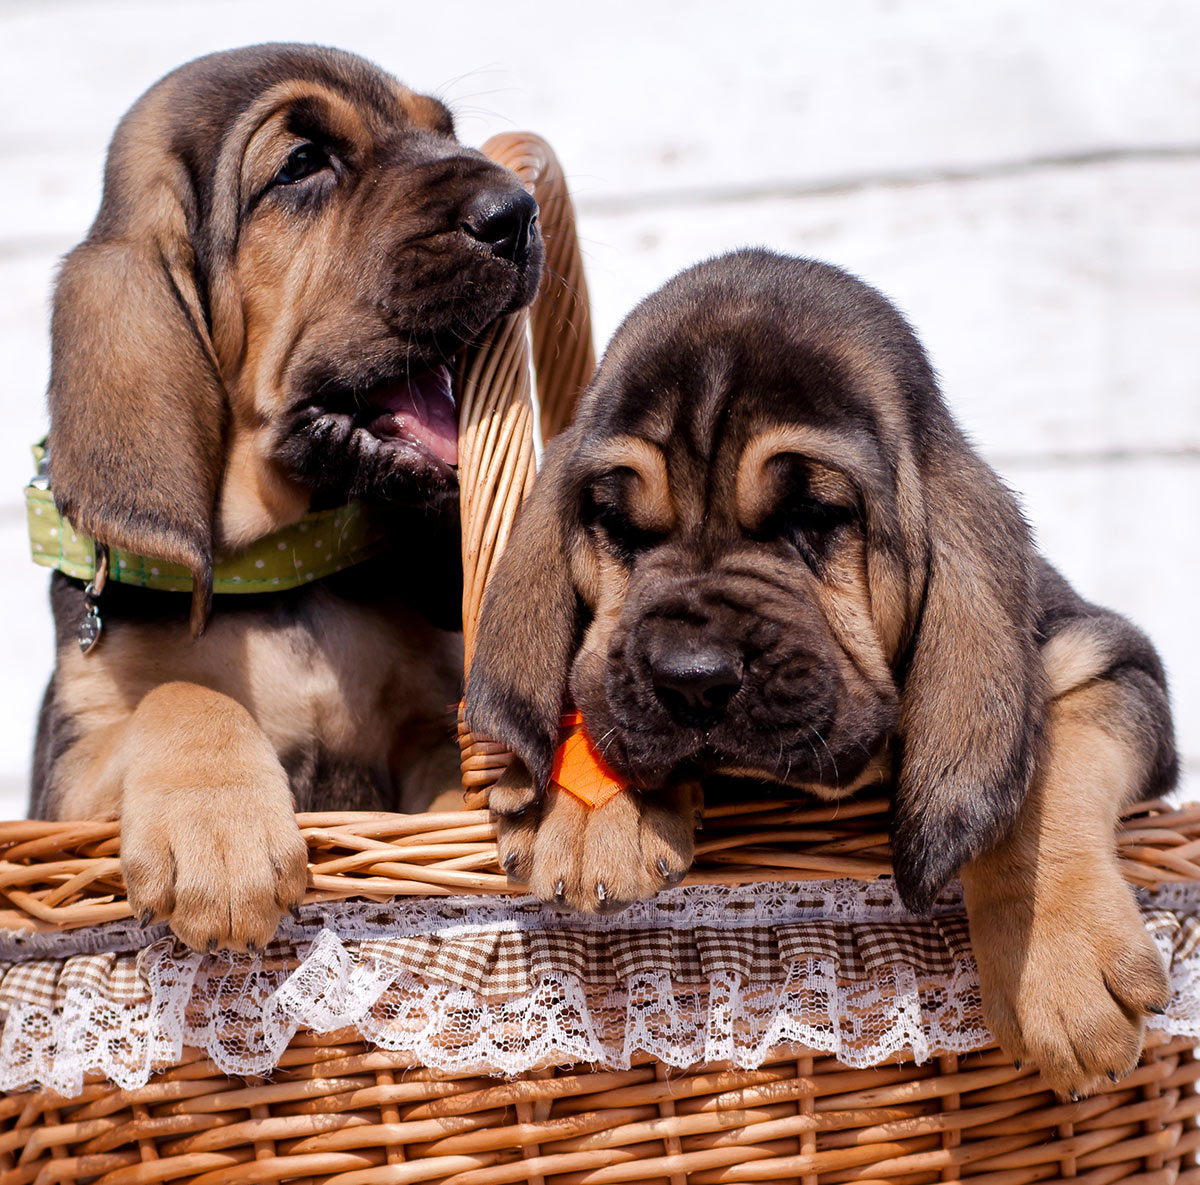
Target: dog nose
(505, 220)
(696, 682)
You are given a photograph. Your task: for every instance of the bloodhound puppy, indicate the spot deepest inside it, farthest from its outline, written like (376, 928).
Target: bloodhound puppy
(765, 551)
(291, 249)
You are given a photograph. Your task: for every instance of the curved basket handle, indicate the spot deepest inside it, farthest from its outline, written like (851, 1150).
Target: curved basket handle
(495, 450)
(496, 463)
(563, 356)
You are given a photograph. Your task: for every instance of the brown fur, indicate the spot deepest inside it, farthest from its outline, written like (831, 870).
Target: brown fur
(286, 235)
(845, 594)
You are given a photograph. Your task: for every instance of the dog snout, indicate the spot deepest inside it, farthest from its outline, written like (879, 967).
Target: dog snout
(695, 679)
(504, 220)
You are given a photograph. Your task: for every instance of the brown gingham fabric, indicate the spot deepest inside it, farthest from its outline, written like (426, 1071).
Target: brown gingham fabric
(496, 962)
(44, 983)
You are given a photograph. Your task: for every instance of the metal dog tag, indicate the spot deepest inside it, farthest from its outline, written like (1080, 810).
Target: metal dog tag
(91, 626)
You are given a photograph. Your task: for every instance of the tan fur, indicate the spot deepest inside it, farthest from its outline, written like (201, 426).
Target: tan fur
(208, 838)
(288, 245)
(756, 493)
(846, 605)
(280, 280)
(840, 470)
(572, 854)
(650, 505)
(180, 742)
(1067, 968)
(1073, 657)
(371, 664)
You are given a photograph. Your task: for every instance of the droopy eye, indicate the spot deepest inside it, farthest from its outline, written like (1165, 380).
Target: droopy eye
(806, 514)
(302, 161)
(604, 510)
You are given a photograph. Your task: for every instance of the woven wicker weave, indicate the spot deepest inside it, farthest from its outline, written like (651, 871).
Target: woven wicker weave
(60, 876)
(337, 1110)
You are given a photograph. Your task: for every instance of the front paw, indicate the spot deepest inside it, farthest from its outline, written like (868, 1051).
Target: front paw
(599, 860)
(222, 864)
(1068, 984)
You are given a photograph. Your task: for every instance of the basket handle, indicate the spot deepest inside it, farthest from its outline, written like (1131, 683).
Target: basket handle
(495, 452)
(496, 461)
(563, 356)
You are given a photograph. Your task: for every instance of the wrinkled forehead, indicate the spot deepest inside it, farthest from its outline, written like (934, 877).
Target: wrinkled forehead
(710, 406)
(192, 111)
(202, 116)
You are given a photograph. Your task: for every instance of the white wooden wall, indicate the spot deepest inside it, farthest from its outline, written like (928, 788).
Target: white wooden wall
(1022, 178)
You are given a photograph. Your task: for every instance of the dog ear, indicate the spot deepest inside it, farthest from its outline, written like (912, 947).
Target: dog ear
(530, 623)
(137, 408)
(971, 699)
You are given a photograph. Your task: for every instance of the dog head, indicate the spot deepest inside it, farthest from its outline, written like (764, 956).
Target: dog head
(290, 250)
(764, 549)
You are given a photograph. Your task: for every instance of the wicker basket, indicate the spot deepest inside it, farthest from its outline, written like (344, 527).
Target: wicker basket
(335, 1106)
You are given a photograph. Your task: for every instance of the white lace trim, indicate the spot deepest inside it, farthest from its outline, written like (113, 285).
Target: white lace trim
(242, 1012)
(722, 906)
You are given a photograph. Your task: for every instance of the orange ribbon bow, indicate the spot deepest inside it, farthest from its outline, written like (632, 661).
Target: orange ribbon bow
(579, 769)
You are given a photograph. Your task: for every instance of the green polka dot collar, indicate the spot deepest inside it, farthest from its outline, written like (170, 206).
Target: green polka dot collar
(317, 546)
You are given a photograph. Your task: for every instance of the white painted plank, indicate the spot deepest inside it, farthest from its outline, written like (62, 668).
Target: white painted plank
(1061, 308)
(645, 97)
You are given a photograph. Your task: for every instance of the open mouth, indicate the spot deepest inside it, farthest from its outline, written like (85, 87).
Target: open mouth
(418, 410)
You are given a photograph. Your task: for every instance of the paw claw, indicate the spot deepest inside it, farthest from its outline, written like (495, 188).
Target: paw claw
(600, 861)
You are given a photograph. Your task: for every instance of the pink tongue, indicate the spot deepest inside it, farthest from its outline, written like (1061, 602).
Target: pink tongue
(423, 408)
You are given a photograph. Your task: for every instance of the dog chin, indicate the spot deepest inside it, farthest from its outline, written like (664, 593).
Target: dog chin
(827, 775)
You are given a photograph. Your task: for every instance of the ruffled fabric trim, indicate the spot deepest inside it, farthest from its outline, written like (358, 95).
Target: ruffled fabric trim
(501, 986)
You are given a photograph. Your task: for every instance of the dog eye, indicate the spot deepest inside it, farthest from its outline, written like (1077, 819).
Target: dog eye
(302, 161)
(805, 514)
(811, 516)
(602, 514)
(810, 526)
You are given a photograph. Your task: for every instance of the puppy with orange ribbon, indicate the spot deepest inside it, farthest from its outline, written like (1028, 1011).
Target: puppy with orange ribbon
(765, 554)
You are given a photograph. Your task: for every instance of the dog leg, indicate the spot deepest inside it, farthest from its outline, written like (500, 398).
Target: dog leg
(208, 835)
(1067, 969)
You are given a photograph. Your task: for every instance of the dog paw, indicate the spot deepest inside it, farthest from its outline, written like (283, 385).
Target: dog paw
(221, 866)
(513, 793)
(599, 860)
(1069, 987)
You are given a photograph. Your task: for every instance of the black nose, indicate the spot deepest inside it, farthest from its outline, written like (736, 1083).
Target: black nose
(505, 220)
(695, 683)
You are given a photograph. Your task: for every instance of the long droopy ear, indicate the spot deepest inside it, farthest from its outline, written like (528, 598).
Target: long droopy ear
(137, 407)
(971, 700)
(530, 624)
